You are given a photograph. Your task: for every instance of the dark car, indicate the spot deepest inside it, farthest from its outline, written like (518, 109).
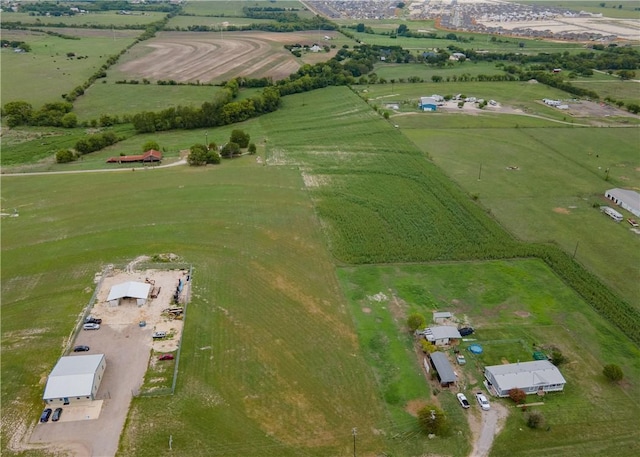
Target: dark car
(466, 331)
(44, 417)
(92, 320)
(166, 357)
(56, 415)
(81, 349)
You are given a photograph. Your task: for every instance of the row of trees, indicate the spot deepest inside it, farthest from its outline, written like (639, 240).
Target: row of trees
(56, 114)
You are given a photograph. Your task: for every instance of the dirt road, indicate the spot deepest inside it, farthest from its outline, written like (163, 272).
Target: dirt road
(486, 428)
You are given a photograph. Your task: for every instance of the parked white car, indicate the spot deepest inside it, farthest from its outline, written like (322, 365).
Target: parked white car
(91, 326)
(463, 400)
(482, 401)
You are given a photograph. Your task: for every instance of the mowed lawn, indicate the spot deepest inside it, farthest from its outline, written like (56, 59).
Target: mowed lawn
(554, 189)
(512, 305)
(270, 360)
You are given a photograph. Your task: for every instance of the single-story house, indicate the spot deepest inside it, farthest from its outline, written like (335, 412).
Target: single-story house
(428, 104)
(315, 48)
(532, 377)
(75, 379)
(457, 56)
(132, 289)
(440, 317)
(628, 199)
(150, 156)
(440, 363)
(441, 335)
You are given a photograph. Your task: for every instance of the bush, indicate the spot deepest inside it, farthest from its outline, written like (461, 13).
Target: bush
(65, 156)
(517, 395)
(150, 145)
(535, 419)
(198, 155)
(230, 149)
(252, 148)
(613, 372)
(240, 137)
(557, 357)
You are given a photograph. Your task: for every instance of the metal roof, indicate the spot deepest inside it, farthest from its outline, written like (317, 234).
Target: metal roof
(630, 197)
(442, 315)
(73, 376)
(440, 332)
(129, 289)
(443, 367)
(525, 374)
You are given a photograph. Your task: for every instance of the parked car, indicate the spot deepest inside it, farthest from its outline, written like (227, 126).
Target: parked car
(632, 222)
(81, 349)
(460, 359)
(166, 357)
(44, 417)
(56, 415)
(463, 400)
(92, 320)
(466, 331)
(160, 334)
(482, 401)
(91, 326)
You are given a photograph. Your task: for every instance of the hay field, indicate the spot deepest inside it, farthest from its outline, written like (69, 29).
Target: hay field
(208, 57)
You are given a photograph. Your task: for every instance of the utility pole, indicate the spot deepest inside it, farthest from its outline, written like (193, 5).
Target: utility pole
(575, 250)
(206, 140)
(480, 172)
(354, 432)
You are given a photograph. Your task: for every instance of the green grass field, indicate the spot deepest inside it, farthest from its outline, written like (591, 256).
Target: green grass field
(512, 306)
(99, 19)
(396, 71)
(611, 86)
(56, 73)
(233, 8)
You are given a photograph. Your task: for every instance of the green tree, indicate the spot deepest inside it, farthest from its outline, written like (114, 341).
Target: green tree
(230, 149)
(416, 321)
(65, 156)
(613, 372)
(557, 357)
(433, 420)
(252, 148)
(197, 155)
(360, 27)
(17, 113)
(70, 120)
(240, 137)
(150, 145)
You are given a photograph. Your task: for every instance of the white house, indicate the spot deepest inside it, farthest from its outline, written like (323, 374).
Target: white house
(136, 290)
(628, 199)
(441, 335)
(531, 377)
(75, 379)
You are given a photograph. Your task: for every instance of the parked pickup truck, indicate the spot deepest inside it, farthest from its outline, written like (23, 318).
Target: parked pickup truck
(92, 320)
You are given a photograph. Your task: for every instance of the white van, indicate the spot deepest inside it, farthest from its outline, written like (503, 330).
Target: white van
(612, 213)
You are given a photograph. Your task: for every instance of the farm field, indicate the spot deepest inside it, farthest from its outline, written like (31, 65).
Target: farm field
(56, 73)
(396, 71)
(258, 365)
(626, 91)
(291, 341)
(93, 19)
(214, 57)
(233, 8)
(559, 178)
(512, 305)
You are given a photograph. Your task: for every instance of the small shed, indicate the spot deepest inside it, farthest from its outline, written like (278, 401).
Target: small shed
(441, 335)
(440, 363)
(139, 291)
(440, 317)
(627, 199)
(75, 379)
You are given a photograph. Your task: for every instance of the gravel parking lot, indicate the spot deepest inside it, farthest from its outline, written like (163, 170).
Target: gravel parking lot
(94, 429)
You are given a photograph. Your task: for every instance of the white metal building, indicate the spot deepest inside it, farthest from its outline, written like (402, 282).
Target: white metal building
(532, 377)
(136, 290)
(627, 199)
(75, 379)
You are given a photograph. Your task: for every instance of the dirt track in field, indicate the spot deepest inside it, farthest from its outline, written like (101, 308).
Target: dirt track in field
(207, 57)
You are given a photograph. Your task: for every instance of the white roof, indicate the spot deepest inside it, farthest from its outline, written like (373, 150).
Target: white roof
(526, 374)
(630, 197)
(129, 289)
(440, 332)
(73, 376)
(441, 315)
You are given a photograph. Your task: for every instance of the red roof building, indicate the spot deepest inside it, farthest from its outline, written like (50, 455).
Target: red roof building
(150, 156)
